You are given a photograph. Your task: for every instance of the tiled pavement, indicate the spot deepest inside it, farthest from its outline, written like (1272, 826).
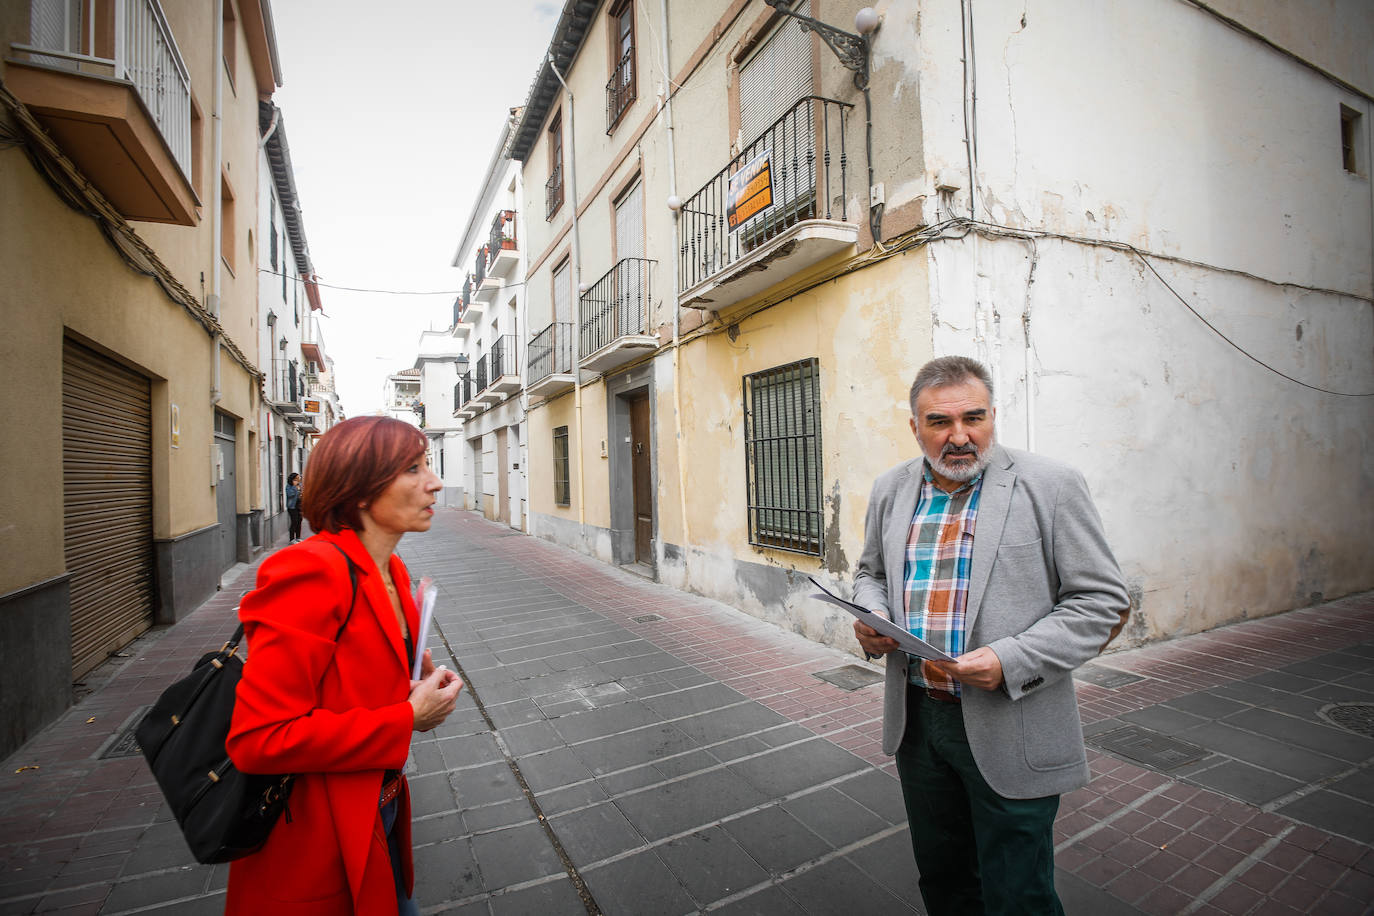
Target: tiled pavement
(654, 752)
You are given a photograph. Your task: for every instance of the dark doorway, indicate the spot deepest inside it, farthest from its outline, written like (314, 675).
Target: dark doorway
(226, 490)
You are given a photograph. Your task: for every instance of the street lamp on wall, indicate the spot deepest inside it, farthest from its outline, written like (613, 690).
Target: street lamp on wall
(851, 49)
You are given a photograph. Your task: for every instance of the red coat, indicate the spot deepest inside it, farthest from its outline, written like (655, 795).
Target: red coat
(338, 718)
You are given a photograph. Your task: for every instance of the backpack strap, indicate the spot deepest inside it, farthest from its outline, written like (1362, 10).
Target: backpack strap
(232, 645)
(353, 580)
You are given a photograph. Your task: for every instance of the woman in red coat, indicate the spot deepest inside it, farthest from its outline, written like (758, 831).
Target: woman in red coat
(340, 714)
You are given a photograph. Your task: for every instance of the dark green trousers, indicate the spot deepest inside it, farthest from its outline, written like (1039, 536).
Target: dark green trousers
(977, 852)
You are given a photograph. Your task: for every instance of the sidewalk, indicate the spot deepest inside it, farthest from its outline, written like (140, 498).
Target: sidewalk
(626, 748)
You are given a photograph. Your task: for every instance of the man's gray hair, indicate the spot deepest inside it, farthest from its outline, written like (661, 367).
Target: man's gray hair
(949, 370)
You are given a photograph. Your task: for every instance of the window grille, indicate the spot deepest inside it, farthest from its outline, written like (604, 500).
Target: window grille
(782, 446)
(562, 492)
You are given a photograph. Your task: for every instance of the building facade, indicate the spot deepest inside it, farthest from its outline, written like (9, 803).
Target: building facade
(129, 161)
(492, 329)
(298, 400)
(440, 356)
(752, 237)
(401, 397)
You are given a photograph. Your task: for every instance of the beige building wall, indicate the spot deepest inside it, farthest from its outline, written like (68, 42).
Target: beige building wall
(65, 279)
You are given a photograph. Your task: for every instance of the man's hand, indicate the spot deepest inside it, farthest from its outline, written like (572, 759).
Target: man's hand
(980, 668)
(871, 642)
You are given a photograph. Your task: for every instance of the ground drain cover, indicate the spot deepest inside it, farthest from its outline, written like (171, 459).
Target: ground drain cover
(1354, 717)
(849, 677)
(1148, 747)
(647, 618)
(124, 743)
(1103, 676)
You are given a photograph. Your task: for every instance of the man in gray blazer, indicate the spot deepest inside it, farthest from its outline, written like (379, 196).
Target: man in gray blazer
(998, 557)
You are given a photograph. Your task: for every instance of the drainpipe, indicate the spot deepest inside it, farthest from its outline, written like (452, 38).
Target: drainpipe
(523, 313)
(571, 147)
(216, 193)
(677, 311)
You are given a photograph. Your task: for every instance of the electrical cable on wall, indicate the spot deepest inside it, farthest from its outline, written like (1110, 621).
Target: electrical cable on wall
(959, 227)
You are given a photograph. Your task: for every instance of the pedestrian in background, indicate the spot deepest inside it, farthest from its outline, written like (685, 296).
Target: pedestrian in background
(998, 557)
(293, 507)
(326, 692)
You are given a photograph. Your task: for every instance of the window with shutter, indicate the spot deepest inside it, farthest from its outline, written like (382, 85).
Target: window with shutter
(630, 281)
(782, 442)
(775, 77)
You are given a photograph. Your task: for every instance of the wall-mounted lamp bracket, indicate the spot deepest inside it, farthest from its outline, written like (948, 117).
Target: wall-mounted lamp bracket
(851, 49)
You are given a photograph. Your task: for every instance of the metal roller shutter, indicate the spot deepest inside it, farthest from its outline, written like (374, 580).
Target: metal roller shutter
(107, 503)
(775, 77)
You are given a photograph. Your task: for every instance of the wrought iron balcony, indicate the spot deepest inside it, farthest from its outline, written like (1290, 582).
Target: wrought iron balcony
(462, 396)
(777, 207)
(479, 379)
(462, 325)
(479, 267)
(502, 253)
(286, 386)
(615, 316)
(620, 90)
(550, 360)
(473, 307)
(112, 90)
(488, 284)
(553, 192)
(505, 365)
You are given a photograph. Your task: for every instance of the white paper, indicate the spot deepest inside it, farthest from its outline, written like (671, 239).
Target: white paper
(909, 644)
(430, 595)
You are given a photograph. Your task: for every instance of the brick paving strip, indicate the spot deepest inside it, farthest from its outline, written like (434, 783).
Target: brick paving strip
(677, 755)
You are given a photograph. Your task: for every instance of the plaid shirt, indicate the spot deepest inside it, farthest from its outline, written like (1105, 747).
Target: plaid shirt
(938, 553)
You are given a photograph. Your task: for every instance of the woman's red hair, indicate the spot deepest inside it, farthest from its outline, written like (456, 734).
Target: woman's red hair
(352, 464)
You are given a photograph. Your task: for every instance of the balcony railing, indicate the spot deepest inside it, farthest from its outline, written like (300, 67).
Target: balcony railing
(288, 384)
(502, 236)
(808, 167)
(480, 379)
(479, 272)
(140, 49)
(462, 392)
(550, 351)
(553, 192)
(505, 358)
(617, 305)
(620, 89)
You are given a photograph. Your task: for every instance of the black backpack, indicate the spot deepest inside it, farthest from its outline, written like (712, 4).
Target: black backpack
(224, 814)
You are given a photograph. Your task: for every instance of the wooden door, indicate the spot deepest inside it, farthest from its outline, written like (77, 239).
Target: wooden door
(640, 454)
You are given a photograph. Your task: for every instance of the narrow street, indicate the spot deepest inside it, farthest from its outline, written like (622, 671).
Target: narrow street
(626, 748)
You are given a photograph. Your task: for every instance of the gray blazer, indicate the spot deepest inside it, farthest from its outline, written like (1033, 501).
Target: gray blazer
(1045, 594)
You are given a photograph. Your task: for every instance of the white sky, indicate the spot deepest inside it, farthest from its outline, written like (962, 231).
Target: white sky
(392, 111)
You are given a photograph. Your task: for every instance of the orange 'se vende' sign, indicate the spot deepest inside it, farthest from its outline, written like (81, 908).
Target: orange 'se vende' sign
(750, 190)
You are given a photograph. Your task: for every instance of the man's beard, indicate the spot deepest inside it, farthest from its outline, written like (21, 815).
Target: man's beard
(963, 472)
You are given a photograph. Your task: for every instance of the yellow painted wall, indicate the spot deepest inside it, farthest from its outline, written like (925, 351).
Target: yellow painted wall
(62, 273)
(871, 332)
(63, 277)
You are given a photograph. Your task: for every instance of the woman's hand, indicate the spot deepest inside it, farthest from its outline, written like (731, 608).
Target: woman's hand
(433, 698)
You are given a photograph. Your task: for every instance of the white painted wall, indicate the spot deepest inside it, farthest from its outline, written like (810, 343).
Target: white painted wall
(1227, 490)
